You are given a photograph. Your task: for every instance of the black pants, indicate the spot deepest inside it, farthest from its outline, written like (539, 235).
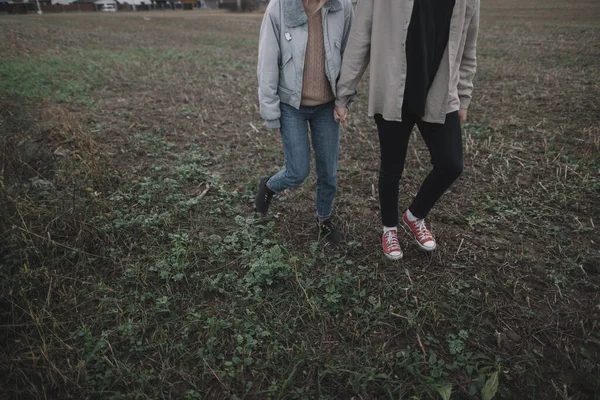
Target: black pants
(444, 142)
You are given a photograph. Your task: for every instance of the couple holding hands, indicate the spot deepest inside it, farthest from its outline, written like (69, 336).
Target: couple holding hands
(422, 56)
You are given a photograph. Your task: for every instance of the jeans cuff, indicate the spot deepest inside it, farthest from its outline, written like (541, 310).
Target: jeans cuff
(321, 219)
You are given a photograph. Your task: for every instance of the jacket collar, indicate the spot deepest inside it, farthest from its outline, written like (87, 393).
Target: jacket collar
(296, 16)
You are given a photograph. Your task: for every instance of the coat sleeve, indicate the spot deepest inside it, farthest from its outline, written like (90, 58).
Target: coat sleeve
(468, 64)
(349, 19)
(268, 71)
(357, 53)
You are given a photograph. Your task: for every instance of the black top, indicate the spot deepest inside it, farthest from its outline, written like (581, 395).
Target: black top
(426, 42)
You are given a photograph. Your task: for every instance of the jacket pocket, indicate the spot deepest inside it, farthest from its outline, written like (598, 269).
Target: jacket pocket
(285, 94)
(285, 59)
(287, 72)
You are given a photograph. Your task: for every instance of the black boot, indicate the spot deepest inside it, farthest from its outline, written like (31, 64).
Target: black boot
(328, 231)
(263, 197)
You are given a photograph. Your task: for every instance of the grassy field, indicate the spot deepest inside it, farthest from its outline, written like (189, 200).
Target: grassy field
(132, 266)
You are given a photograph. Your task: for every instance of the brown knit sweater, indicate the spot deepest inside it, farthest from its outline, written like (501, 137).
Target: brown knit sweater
(316, 89)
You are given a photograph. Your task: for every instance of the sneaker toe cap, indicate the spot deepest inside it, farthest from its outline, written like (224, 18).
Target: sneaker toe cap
(430, 245)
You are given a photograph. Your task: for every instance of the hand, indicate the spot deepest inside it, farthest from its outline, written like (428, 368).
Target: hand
(462, 115)
(340, 114)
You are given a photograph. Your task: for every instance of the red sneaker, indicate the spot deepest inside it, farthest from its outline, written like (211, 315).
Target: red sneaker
(391, 246)
(423, 235)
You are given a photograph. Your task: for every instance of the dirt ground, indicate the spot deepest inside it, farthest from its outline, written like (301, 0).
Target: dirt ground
(132, 264)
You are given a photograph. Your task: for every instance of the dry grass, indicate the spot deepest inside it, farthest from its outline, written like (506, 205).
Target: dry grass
(131, 265)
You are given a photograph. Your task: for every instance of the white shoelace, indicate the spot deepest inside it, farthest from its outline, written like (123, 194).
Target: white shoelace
(391, 240)
(422, 231)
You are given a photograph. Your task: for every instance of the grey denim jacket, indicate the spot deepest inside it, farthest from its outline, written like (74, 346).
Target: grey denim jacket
(282, 47)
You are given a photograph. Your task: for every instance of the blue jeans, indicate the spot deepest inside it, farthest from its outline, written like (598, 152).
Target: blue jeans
(325, 137)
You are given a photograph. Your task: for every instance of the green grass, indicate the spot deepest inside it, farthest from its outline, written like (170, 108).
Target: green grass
(55, 78)
(237, 308)
(75, 76)
(134, 268)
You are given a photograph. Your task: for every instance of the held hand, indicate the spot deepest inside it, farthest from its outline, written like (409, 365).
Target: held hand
(462, 115)
(340, 114)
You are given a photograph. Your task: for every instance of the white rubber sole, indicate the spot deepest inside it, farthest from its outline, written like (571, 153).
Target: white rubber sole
(394, 258)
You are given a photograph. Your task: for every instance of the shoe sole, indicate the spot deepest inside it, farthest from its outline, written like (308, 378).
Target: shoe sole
(425, 249)
(393, 258)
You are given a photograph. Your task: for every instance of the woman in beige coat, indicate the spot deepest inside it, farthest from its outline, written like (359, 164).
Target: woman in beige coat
(423, 60)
